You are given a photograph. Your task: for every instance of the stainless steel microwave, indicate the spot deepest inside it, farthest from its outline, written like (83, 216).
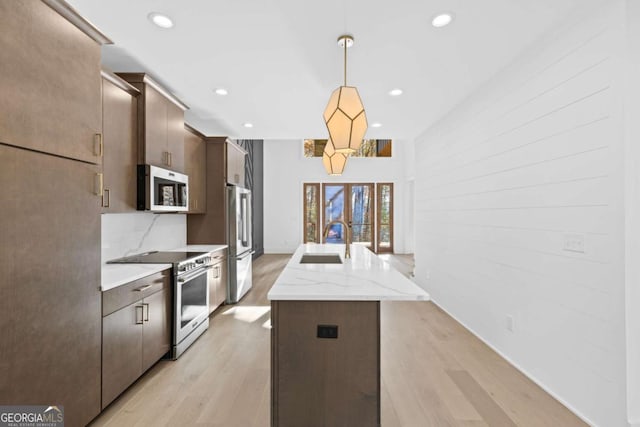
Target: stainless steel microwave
(162, 190)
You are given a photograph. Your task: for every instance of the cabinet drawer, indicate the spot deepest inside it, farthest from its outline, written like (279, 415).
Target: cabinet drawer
(115, 299)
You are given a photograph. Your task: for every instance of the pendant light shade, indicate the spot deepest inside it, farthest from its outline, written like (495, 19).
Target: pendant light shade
(345, 119)
(344, 115)
(333, 161)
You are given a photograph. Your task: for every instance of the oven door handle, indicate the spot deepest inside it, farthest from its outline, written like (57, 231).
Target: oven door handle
(187, 277)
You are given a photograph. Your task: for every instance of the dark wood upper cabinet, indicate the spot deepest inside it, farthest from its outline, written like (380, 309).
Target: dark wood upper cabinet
(195, 164)
(225, 159)
(160, 123)
(119, 124)
(210, 228)
(154, 149)
(235, 164)
(175, 136)
(49, 81)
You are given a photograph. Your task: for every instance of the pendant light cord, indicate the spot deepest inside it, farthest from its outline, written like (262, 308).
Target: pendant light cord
(345, 61)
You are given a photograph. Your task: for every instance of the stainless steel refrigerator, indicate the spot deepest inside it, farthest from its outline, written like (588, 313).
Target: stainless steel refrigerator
(240, 244)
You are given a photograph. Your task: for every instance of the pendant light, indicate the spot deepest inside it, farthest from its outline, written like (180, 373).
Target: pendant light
(333, 161)
(344, 116)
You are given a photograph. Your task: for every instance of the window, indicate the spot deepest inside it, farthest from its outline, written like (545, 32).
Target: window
(355, 204)
(311, 208)
(369, 148)
(385, 217)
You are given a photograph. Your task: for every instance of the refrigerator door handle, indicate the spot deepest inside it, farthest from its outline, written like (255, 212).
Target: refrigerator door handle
(246, 254)
(243, 219)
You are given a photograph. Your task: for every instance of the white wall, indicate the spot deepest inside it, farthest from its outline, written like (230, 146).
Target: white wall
(285, 171)
(409, 208)
(632, 168)
(530, 163)
(134, 233)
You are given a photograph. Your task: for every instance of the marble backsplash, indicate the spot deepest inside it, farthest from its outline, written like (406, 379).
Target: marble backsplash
(132, 233)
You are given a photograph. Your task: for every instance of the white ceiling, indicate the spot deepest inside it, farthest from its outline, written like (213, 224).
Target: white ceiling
(280, 62)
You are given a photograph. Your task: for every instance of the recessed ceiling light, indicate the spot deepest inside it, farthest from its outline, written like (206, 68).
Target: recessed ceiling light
(395, 92)
(442, 20)
(162, 21)
(247, 125)
(376, 125)
(221, 91)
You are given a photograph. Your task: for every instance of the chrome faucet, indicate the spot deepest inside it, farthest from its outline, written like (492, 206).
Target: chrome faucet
(347, 237)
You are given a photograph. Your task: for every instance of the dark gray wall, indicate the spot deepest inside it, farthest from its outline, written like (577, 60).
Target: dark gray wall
(254, 178)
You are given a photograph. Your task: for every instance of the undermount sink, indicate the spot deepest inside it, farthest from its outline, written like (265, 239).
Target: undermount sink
(320, 259)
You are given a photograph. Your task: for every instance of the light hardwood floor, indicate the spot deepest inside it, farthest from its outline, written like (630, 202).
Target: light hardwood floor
(434, 372)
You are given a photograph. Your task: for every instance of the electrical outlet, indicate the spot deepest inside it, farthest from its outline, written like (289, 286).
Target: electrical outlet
(327, 331)
(510, 323)
(574, 243)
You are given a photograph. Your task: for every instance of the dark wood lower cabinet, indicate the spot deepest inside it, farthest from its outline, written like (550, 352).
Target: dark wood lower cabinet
(156, 333)
(218, 281)
(121, 351)
(135, 335)
(323, 381)
(49, 284)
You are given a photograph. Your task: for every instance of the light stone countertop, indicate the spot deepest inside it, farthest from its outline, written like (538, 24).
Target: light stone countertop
(363, 277)
(114, 275)
(200, 248)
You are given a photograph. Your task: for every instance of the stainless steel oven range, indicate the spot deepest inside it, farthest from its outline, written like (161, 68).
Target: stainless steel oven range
(190, 293)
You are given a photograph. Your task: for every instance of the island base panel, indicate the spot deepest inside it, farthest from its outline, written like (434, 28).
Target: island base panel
(319, 379)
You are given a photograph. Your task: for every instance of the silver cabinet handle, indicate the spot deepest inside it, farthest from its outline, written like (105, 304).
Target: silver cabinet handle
(169, 158)
(99, 183)
(106, 198)
(141, 313)
(142, 289)
(145, 305)
(98, 145)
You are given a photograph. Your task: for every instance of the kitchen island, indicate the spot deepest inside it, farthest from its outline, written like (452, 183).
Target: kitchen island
(325, 336)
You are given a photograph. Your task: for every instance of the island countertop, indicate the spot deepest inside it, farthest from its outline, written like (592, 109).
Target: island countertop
(363, 277)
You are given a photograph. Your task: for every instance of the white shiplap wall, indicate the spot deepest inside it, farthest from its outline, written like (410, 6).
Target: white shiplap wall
(632, 207)
(532, 160)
